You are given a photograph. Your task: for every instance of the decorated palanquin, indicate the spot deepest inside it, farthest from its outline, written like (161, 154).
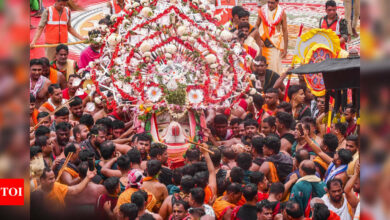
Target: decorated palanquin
(169, 61)
(316, 46)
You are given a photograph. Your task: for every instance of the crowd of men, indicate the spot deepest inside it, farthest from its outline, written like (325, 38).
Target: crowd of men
(271, 157)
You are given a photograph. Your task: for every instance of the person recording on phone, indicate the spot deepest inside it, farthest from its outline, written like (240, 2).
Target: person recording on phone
(307, 123)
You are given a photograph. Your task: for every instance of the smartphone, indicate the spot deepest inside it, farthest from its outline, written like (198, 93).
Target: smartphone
(307, 127)
(300, 129)
(91, 165)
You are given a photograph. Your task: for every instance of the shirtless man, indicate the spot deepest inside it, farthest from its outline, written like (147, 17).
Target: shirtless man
(38, 84)
(151, 183)
(89, 196)
(76, 108)
(62, 137)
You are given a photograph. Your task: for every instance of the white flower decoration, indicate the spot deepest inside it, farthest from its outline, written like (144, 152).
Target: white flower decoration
(211, 58)
(195, 96)
(145, 47)
(98, 100)
(171, 49)
(226, 35)
(253, 91)
(172, 85)
(91, 64)
(154, 93)
(146, 12)
(252, 77)
(181, 30)
(112, 40)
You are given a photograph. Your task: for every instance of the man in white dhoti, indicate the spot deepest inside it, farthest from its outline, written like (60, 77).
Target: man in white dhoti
(272, 26)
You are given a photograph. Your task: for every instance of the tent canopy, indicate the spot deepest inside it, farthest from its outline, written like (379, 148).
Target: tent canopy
(338, 73)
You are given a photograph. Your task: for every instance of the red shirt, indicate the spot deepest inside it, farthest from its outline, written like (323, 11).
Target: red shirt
(100, 203)
(65, 94)
(262, 196)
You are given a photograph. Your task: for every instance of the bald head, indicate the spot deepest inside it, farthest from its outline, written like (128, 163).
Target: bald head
(307, 167)
(316, 200)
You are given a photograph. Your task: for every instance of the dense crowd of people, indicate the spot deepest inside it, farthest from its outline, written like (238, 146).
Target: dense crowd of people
(270, 157)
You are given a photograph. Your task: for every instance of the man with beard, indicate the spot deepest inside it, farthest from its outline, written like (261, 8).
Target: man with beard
(63, 135)
(61, 63)
(70, 176)
(56, 192)
(55, 99)
(247, 42)
(353, 146)
(336, 201)
(268, 126)
(158, 151)
(221, 128)
(307, 187)
(349, 115)
(283, 124)
(76, 108)
(251, 129)
(55, 76)
(235, 127)
(271, 101)
(265, 78)
(118, 128)
(97, 136)
(38, 83)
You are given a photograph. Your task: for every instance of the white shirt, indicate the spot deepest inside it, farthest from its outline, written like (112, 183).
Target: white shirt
(342, 211)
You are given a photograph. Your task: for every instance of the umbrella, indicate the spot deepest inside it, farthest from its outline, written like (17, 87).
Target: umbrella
(337, 73)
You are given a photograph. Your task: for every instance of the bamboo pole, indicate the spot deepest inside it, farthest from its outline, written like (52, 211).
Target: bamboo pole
(56, 110)
(55, 45)
(64, 166)
(201, 146)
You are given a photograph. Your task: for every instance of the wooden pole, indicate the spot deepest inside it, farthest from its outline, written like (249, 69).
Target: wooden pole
(201, 146)
(56, 110)
(64, 166)
(55, 45)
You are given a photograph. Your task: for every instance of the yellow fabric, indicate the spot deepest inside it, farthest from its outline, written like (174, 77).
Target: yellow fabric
(273, 172)
(72, 172)
(125, 197)
(331, 34)
(321, 162)
(351, 165)
(57, 195)
(220, 206)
